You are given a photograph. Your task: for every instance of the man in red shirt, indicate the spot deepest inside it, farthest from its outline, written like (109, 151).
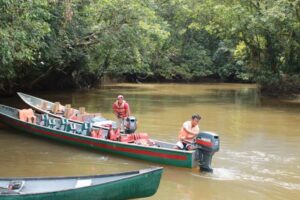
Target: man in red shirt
(121, 110)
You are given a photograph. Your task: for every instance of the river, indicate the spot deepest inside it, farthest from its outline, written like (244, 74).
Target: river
(259, 156)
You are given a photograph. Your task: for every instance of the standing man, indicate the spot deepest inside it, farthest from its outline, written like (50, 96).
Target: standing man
(121, 110)
(188, 133)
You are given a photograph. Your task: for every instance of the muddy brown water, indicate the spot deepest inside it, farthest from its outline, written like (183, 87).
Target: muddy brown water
(260, 140)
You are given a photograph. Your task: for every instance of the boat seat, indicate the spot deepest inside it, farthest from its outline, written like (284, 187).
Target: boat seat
(71, 127)
(85, 129)
(44, 120)
(51, 123)
(48, 122)
(63, 124)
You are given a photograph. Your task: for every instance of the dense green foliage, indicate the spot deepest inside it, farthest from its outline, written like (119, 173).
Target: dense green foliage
(74, 43)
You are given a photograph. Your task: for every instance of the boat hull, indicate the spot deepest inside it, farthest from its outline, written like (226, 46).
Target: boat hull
(133, 186)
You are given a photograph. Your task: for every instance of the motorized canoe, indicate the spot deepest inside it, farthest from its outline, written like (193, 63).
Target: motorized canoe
(136, 145)
(128, 185)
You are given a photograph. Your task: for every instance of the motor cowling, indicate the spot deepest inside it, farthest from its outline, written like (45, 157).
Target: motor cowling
(130, 124)
(207, 144)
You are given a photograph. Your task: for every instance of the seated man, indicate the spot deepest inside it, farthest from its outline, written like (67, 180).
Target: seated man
(188, 133)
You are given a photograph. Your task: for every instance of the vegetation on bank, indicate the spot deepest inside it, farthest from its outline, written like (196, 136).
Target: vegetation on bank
(74, 43)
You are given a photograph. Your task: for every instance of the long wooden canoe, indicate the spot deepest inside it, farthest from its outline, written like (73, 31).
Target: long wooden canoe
(37, 104)
(160, 152)
(128, 185)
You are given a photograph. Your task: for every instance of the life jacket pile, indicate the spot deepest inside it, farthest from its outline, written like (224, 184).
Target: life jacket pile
(96, 133)
(114, 134)
(27, 115)
(137, 138)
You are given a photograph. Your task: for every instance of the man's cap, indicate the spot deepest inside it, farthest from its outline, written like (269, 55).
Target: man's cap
(120, 97)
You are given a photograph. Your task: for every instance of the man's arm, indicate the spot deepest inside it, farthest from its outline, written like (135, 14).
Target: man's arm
(188, 128)
(127, 110)
(115, 110)
(190, 131)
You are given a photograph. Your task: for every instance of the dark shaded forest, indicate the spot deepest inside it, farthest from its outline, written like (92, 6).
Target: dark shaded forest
(58, 44)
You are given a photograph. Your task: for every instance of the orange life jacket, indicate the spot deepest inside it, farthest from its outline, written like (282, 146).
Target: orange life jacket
(185, 135)
(114, 134)
(127, 138)
(96, 133)
(120, 109)
(27, 115)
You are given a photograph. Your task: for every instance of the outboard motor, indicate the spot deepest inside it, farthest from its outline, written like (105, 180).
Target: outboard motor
(207, 144)
(130, 125)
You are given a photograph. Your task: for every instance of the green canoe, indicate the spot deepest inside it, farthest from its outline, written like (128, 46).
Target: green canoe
(128, 185)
